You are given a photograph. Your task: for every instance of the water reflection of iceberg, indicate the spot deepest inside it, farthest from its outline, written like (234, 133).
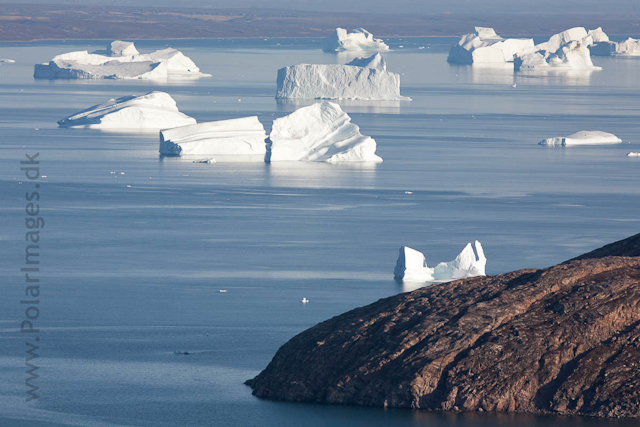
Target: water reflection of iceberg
(497, 74)
(556, 77)
(349, 105)
(321, 175)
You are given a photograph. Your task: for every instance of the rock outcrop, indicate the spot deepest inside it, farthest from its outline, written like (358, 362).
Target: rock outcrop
(561, 340)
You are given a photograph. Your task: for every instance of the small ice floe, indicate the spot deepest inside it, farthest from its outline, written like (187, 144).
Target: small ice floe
(180, 352)
(210, 160)
(223, 291)
(121, 173)
(421, 47)
(515, 85)
(582, 138)
(411, 265)
(408, 192)
(239, 100)
(304, 300)
(36, 129)
(633, 154)
(112, 172)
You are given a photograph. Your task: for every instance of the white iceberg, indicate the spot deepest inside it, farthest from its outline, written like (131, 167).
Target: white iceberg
(412, 266)
(153, 111)
(629, 47)
(6, 61)
(376, 62)
(582, 138)
(633, 154)
(485, 46)
(120, 48)
(119, 62)
(243, 136)
(357, 41)
(321, 132)
(312, 81)
(568, 50)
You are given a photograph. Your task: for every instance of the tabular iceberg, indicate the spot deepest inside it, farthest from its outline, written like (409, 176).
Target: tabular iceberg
(321, 132)
(376, 62)
(582, 138)
(153, 111)
(120, 61)
(485, 46)
(357, 41)
(411, 265)
(241, 136)
(311, 81)
(567, 50)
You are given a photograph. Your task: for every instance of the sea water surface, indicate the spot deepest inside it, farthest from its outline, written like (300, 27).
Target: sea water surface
(137, 247)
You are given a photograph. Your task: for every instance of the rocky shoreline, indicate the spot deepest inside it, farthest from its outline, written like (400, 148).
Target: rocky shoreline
(560, 340)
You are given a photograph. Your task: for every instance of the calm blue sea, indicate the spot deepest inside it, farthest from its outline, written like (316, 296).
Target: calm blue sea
(132, 262)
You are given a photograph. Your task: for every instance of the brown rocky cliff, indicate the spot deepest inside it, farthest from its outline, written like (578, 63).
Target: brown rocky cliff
(565, 340)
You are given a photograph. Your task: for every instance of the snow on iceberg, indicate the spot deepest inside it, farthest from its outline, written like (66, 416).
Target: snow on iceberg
(312, 81)
(242, 136)
(567, 50)
(357, 41)
(321, 132)
(582, 138)
(376, 62)
(411, 265)
(485, 46)
(153, 111)
(119, 61)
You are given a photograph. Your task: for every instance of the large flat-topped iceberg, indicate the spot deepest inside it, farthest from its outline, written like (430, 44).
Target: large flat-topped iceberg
(321, 132)
(485, 46)
(412, 266)
(121, 60)
(357, 41)
(312, 81)
(567, 50)
(582, 138)
(153, 111)
(243, 136)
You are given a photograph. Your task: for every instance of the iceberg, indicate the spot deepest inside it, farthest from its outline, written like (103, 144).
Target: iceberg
(411, 265)
(120, 48)
(121, 60)
(633, 154)
(376, 62)
(357, 41)
(485, 46)
(568, 50)
(6, 61)
(153, 111)
(582, 138)
(312, 81)
(241, 136)
(629, 47)
(321, 132)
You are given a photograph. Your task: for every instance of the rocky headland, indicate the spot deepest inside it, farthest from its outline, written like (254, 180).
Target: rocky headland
(560, 340)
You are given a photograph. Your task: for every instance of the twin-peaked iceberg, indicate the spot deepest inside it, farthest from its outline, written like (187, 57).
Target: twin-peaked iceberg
(121, 60)
(153, 111)
(360, 40)
(602, 46)
(411, 265)
(485, 46)
(321, 132)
